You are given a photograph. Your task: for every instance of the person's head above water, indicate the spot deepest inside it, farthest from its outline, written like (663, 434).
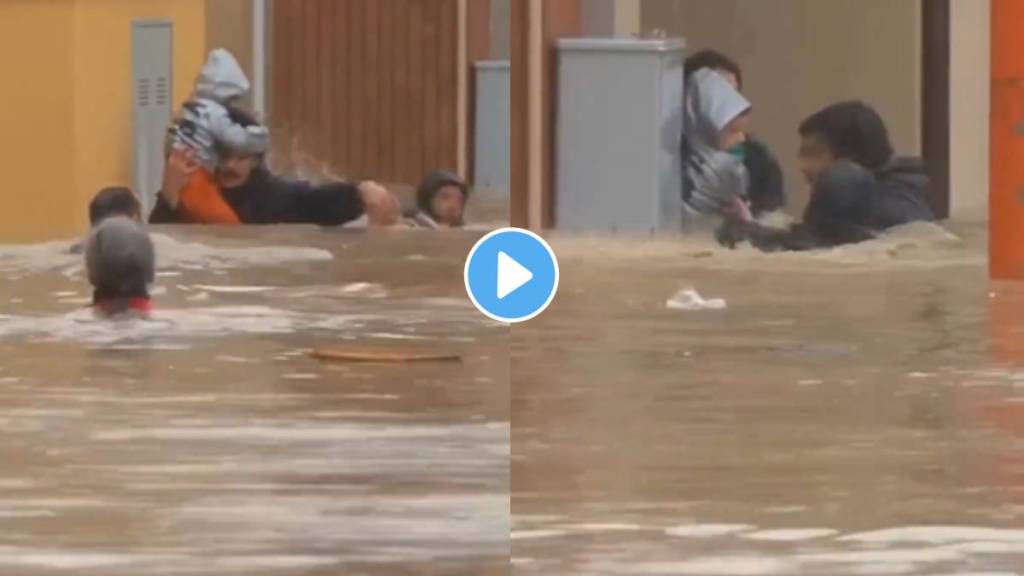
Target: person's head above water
(851, 131)
(121, 264)
(442, 196)
(716, 113)
(235, 168)
(114, 201)
(714, 60)
(222, 79)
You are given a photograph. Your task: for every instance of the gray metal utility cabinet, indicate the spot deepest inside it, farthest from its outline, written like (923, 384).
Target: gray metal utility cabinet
(491, 169)
(620, 105)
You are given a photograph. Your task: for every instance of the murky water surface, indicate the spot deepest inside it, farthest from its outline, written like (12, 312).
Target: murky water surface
(859, 411)
(207, 441)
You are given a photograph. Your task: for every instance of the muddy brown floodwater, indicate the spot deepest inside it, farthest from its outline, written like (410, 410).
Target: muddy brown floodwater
(205, 441)
(859, 411)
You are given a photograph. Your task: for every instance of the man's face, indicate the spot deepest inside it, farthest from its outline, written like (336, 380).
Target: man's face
(815, 156)
(234, 170)
(447, 206)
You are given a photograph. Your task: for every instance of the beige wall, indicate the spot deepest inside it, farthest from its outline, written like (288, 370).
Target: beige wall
(611, 17)
(229, 25)
(800, 55)
(500, 29)
(969, 109)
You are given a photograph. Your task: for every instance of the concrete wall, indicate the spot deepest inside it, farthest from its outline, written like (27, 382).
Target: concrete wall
(969, 109)
(800, 55)
(67, 119)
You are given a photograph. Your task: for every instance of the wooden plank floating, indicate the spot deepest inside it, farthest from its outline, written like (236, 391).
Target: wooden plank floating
(380, 355)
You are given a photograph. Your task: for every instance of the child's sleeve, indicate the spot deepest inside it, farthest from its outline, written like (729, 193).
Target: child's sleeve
(249, 140)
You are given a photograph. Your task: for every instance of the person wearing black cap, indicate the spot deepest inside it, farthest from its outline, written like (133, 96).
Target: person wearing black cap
(440, 201)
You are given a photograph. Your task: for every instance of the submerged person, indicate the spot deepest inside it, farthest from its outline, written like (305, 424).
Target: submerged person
(715, 121)
(765, 191)
(440, 201)
(121, 264)
(202, 128)
(110, 202)
(256, 196)
(860, 187)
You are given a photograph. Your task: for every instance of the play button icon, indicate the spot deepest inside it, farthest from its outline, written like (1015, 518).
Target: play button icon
(511, 275)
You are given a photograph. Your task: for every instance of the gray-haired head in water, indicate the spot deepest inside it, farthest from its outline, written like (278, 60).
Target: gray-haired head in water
(120, 260)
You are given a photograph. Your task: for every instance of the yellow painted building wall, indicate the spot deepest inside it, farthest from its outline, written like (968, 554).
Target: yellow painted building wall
(36, 119)
(103, 72)
(67, 119)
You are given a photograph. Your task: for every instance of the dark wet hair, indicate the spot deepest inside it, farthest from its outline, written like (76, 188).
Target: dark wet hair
(715, 61)
(853, 131)
(113, 201)
(432, 184)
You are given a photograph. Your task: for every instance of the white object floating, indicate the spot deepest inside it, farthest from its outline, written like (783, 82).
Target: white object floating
(234, 289)
(690, 300)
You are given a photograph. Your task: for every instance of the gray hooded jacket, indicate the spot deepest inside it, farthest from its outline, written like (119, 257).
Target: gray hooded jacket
(204, 124)
(712, 179)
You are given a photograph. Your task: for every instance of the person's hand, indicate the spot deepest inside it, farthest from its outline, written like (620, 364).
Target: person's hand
(180, 165)
(738, 211)
(382, 207)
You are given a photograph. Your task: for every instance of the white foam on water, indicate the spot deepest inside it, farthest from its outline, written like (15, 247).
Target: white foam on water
(76, 560)
(171, 254)
(537, 534)
(84, 326)
(301, 376)
(935, 535)
(234, 289)
(27, 514)
(275, 562)
(607, 527)
(725, 566)
(896, 556)
(790, 535)
(278, 433)
(707, 530)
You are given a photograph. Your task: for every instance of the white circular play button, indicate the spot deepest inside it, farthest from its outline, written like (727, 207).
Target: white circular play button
(511, 275)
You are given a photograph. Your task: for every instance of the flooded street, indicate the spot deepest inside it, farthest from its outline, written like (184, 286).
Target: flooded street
(207, 441)
(852, 412)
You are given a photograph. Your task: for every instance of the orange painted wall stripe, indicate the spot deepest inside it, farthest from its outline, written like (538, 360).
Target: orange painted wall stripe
(1006, 196)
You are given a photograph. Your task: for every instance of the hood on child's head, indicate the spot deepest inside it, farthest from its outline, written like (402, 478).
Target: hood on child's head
(711, 104)
(221, 79)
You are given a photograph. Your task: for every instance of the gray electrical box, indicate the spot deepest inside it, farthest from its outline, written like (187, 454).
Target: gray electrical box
(493, 109)
(152, 90)
(620, 120)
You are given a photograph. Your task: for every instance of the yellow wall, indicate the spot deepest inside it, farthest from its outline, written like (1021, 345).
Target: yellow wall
(103, 97)
(67, 115)
(36, 119)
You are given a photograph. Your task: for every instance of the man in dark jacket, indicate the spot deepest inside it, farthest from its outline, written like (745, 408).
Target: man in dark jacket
(259, 197)
(859, 186)
(765, 191)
